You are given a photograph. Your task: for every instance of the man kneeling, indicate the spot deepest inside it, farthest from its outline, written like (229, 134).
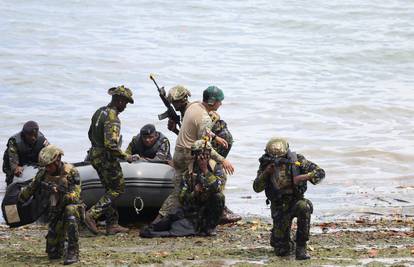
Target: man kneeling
(63, 183)
(283, 175)
(201, 198)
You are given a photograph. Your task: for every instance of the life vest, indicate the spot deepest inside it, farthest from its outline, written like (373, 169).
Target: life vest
(27, 154)
(281, 183)
(147, 152)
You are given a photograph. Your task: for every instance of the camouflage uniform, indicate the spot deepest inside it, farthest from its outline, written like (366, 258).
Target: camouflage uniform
(19, 153)
(220, 129)
(105, 137)
(66, 208)
(286, 199)
(204, 207)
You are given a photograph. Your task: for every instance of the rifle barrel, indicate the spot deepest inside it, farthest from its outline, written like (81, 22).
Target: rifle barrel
(153, 79)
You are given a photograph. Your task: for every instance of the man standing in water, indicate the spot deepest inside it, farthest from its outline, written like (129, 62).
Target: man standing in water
(105, 137)
(196, 125)
(283, 175)
(23, 149)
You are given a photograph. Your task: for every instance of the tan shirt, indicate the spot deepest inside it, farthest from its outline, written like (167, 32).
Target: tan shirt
(196, 124)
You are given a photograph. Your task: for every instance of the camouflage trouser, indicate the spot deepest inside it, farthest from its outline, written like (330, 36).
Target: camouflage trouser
(283, 212)
(63, 225)
(209, 213)
(181, 160)
(112, 179)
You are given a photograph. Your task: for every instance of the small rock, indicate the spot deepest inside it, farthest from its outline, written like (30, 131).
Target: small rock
(372, 253)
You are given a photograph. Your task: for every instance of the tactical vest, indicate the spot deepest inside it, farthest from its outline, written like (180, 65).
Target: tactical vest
(273, 190)
(27, 154)
(96, 130)
(146, 152)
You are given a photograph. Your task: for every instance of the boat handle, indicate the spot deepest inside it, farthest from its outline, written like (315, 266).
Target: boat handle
(141, 203)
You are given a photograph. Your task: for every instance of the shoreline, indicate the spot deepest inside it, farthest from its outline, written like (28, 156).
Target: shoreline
(383, 242)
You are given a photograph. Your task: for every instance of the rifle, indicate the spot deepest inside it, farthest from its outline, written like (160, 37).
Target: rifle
(170, 113)
(50, 186)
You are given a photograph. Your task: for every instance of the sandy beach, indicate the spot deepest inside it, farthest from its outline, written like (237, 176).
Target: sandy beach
(382, 242)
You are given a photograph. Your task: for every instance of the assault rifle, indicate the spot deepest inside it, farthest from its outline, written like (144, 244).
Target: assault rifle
(50, 186)
(170, 113)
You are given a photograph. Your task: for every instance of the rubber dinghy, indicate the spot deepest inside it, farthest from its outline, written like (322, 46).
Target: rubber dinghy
(147, 185)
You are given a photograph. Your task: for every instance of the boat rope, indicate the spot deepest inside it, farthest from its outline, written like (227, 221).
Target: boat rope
(141, 204)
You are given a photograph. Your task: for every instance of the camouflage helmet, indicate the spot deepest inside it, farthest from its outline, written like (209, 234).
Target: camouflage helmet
(212, 94)
(49, 154)
(178, 92)
(122, 91)
(277, 147)
(200, 145)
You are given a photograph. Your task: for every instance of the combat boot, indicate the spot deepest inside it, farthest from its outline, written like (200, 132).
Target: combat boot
(90, 223)
(282, 252)
(301, 253)
(113, 229)
(72, 256)
(53, 252)
(229, 217)
(54, 255)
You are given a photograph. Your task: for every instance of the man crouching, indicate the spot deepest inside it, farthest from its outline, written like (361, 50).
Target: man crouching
(201, 198)
(283, 175)
(201, 189)
(62, 181)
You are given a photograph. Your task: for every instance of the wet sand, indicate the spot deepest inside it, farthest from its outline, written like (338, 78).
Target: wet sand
(384, 242)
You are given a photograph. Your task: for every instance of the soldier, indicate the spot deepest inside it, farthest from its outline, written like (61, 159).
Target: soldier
(196, 125)
(23, 149)
(283, 175)
(201, 189)
(150, 144)
(178, 97)
(220, 129)
(66, 207)
(104, 134)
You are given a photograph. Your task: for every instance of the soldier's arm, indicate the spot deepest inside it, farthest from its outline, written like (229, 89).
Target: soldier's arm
(130, 146)
(13, 155)
(216, 156)
(205, 132)
(259, 183)
(112, 135)
(29, 190)
(163, 152)
(73, 195)
(314, 172)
